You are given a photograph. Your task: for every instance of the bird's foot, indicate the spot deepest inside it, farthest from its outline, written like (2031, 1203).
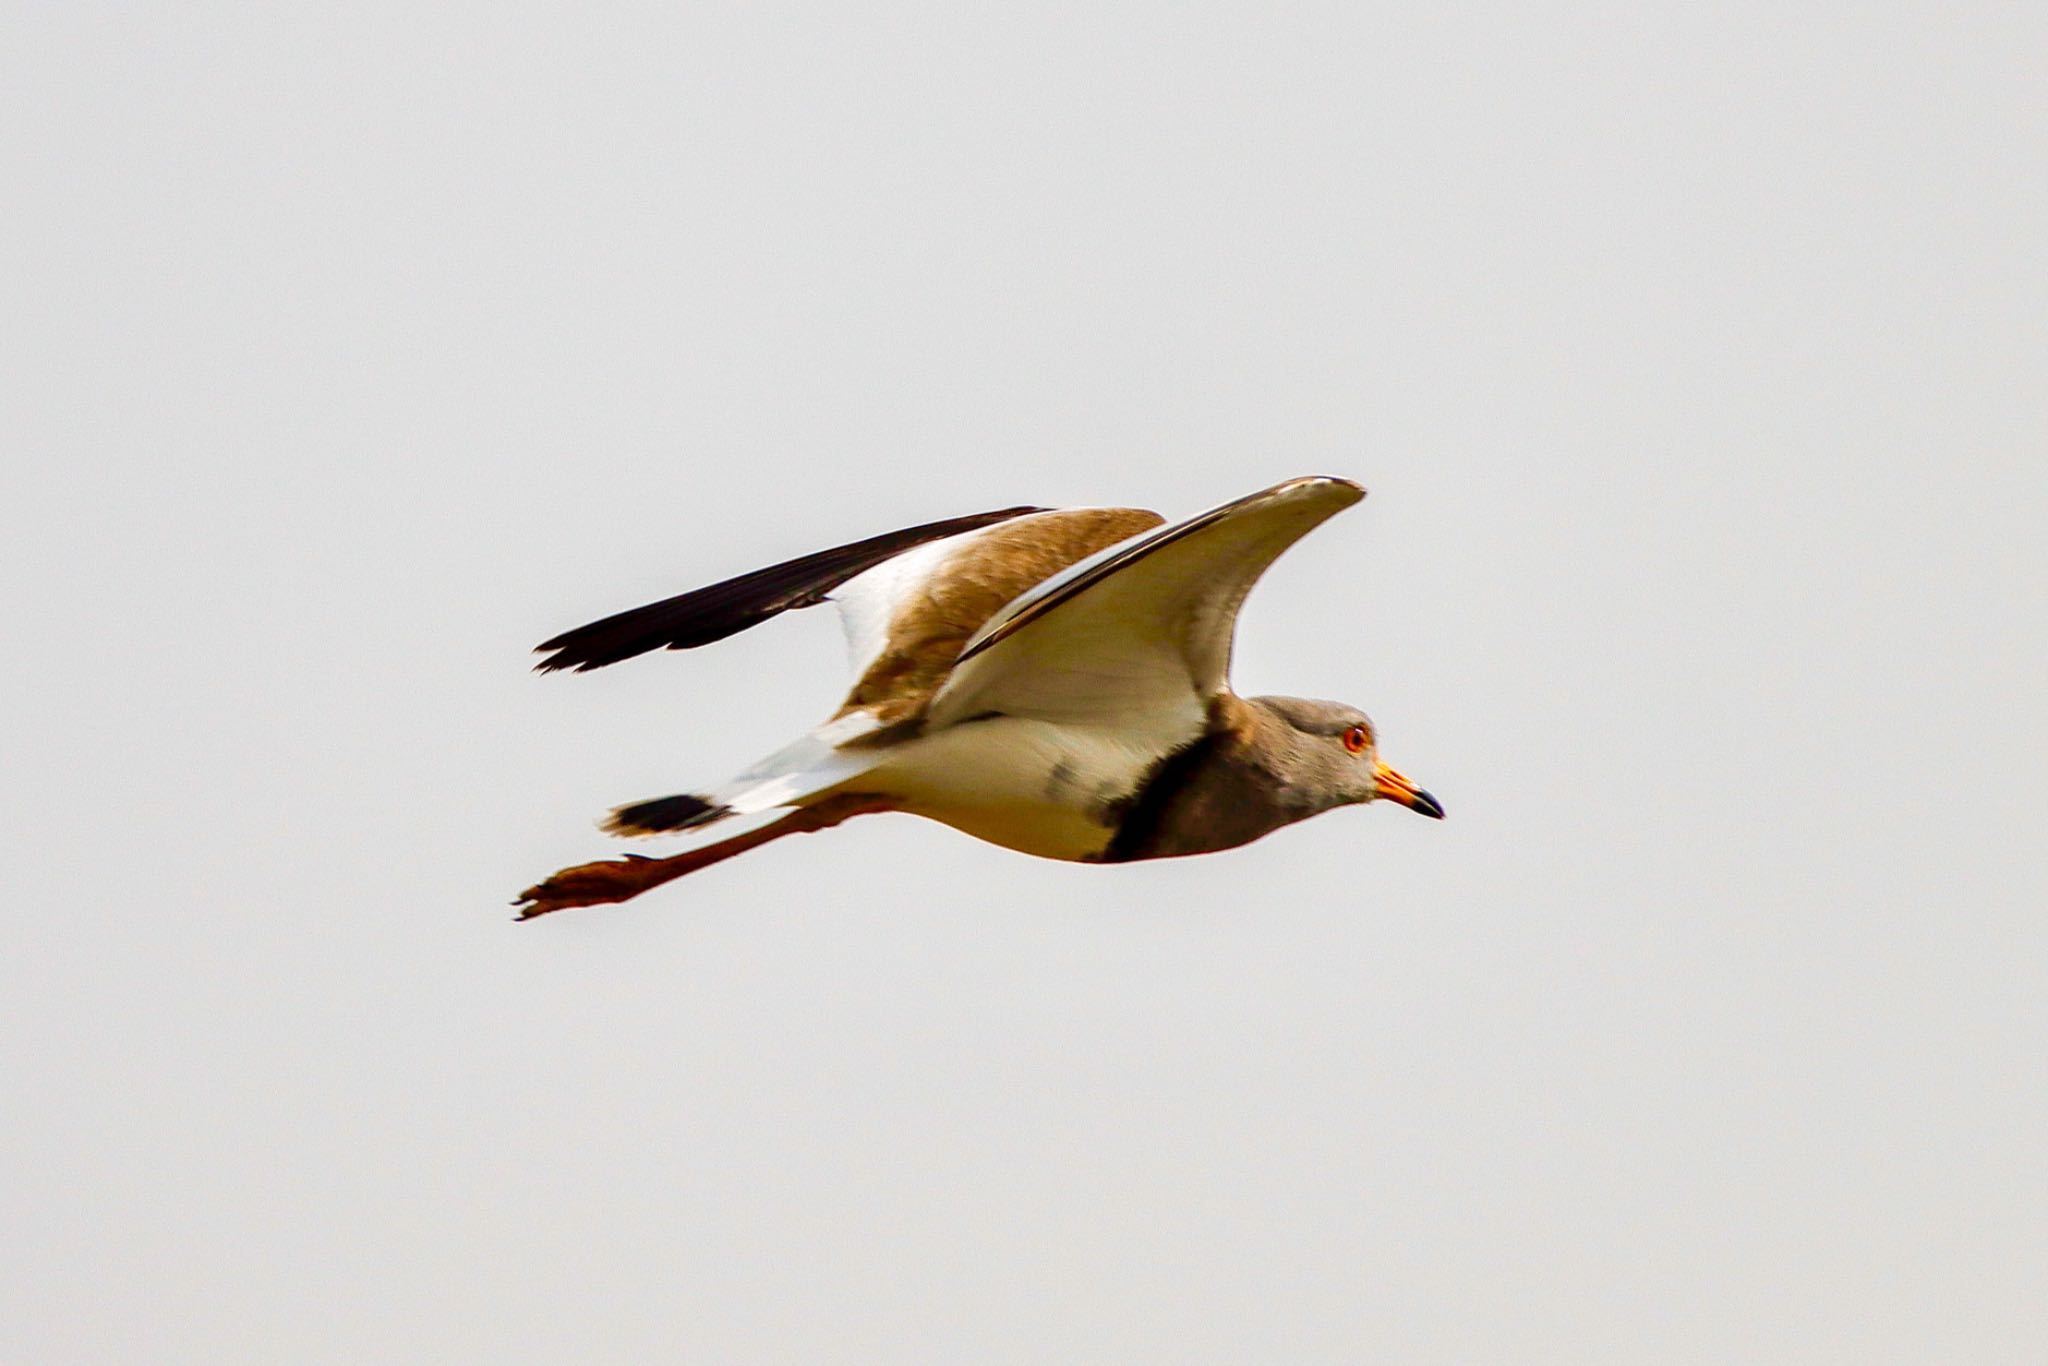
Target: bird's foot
(593, 884)
(590, 884)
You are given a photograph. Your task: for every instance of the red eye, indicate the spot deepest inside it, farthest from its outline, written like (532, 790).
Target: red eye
(1355, 739)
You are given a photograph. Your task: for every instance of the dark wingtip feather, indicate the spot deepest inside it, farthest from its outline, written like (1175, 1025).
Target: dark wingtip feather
(708, 614)
(662, 815)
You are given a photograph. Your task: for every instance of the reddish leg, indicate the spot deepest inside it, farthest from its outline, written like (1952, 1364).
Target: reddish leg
(593, 884)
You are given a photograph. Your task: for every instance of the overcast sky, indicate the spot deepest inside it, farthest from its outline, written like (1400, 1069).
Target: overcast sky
(1695, 358)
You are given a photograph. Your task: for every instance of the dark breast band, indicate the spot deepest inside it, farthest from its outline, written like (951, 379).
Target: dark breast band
(1141, 817)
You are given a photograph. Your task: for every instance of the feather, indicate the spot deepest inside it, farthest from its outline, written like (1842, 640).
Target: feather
(723, 609)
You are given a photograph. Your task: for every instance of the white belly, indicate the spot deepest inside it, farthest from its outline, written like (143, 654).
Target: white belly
(1032, 786)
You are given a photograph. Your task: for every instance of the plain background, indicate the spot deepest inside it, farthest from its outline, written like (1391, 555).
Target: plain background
(1695, 358)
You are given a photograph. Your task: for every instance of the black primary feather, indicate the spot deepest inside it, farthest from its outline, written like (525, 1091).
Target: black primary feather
(692, 619)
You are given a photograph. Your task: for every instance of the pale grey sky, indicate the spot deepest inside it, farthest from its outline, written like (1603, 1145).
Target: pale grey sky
(1695, 357)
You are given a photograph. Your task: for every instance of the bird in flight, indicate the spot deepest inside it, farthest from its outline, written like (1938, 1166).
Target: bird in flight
(1055, 681)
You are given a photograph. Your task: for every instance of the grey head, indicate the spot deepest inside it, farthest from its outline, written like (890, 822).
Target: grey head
(1264, 763)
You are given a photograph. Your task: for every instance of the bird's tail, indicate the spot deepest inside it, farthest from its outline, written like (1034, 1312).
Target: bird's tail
(664, 815)
(792, 776)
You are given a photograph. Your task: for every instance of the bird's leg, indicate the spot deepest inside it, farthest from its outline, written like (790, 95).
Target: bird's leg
(593, 884)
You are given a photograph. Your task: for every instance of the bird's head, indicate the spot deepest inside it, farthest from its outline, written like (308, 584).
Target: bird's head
(1328, 755)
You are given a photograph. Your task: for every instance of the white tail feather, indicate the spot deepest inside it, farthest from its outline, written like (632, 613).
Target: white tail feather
(804, 768)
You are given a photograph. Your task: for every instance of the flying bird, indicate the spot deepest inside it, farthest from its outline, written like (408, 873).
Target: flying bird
(1056, 681)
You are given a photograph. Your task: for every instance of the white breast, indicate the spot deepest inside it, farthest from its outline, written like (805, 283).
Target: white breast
(1034, 786)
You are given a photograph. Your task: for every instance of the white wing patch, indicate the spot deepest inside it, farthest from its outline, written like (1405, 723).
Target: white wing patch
(869, 601)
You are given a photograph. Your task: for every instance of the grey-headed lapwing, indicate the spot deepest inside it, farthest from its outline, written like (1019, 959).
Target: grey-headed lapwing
(1052, 680)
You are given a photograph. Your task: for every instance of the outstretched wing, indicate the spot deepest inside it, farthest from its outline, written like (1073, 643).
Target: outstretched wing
(698, 618)
(1140, 631)
(907, 620)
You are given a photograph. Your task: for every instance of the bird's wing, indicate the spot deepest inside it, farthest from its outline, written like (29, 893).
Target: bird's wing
(908, 618)
(723, 609)
(1141, 629)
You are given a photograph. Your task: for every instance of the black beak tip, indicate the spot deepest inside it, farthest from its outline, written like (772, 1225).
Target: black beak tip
(1429, 806)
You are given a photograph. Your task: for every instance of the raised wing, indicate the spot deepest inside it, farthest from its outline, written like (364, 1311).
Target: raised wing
(908, 619)
(1142, 628)
(723, 609)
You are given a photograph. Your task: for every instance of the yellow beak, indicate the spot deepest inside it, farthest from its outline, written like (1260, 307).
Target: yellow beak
(1396, 786)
